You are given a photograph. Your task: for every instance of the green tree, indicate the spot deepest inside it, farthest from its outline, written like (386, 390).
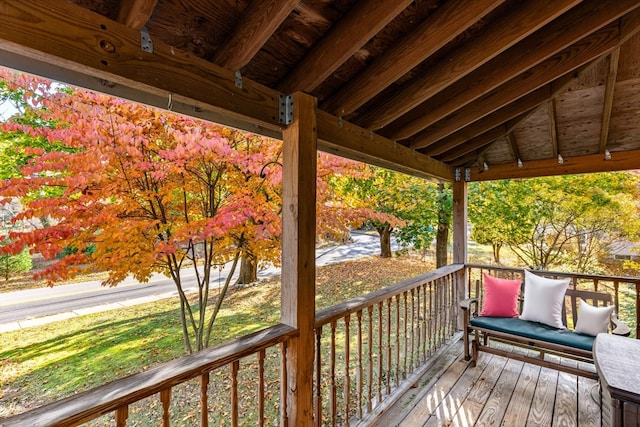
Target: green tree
(10, 265)
(501, 213)
(559, 222)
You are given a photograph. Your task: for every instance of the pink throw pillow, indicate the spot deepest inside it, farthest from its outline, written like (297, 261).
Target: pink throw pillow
(500, 297)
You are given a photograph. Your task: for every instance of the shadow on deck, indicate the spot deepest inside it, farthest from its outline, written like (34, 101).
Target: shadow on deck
(498, 392)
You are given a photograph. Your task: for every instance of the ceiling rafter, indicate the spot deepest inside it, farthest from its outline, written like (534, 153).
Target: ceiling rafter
(344, 39)
(35, 34)
(520, 106)
(495, 39)
(475, 143)
(136, 13)
(259, 21)
(576, 24)
(513, 146)
(553, 127)
(469, 152)
(608, 98)
(449, 21)
(586, 50)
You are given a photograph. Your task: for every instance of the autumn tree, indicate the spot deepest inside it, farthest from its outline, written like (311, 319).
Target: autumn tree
(409, 204)
(151, 191)
(555, 221)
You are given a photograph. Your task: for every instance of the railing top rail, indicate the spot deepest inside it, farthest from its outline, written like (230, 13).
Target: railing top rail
(354, 305)
(84, 406)
(623, 279)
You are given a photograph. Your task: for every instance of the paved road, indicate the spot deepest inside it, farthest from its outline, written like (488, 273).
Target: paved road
(37, 306)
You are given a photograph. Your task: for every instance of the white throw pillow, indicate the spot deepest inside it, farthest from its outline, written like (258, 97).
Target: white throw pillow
(593, 320)
(543, 299)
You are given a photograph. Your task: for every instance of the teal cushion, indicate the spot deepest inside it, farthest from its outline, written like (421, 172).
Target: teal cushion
(534, 330)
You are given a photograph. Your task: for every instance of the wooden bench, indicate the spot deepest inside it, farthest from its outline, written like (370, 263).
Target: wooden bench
(539, 339)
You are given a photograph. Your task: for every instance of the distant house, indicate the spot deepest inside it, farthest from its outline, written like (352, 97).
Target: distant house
(625, 251)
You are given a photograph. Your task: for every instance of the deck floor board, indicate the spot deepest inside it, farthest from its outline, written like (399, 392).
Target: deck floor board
(499, 392)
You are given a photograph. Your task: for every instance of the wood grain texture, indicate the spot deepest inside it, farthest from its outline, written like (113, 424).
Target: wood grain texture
(437, 30)
(577, 55)
(554, 37)
(522, 21)
(541, 410)
(344, 39)
(65, 34)
(135, 13)
(258, 23)
(298, 254)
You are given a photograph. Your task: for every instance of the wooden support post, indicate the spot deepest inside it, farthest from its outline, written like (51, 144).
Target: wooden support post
(460, 199)
(298, 254)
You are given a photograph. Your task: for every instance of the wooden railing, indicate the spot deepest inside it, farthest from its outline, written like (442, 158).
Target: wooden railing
(625, 290)
(116, 398)
(370, 349)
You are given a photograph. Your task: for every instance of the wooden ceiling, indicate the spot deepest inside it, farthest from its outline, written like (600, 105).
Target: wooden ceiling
(489, 89)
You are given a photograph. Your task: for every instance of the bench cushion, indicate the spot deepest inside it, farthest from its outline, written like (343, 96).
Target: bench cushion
(534, 330)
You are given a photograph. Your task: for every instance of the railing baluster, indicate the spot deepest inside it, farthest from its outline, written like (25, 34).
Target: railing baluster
(406, 337)
(318, 408)
(347, 374)
(637, 310)
(284, 384)
(370, 359)
(430, 318)
(261, 356)
(389, 354)
(380, 361)
(359, 370)
(122, 413)
(165, 398)
(418, 326)
(424, 322)
(204, 400)
(332, 373)
(398, 340)
(412, 331)
(235, 367)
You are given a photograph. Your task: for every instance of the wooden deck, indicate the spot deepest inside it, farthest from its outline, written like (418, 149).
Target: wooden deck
(498, 392)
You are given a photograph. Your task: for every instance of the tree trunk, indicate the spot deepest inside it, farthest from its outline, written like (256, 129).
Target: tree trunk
(248, 270)
(444, 221)
(442, 238)
(496, 252)
(385, 240)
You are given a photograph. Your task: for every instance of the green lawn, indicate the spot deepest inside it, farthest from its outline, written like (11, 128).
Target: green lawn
(46, 363)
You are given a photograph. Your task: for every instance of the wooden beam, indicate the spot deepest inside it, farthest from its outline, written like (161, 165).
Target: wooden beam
(518, 23)
(136, 13)
(553, 127)
(70, 37)
(520, 106)
(62, 41)
(348, 140)
(345, 38)
(587, 50)
(259, 21)
(298, 256)
(568, 29)
(447, 22)
(620, 161)
(608, 98)
(460, 201)
(473, 144)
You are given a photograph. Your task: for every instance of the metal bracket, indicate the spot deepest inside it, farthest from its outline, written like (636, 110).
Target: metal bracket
(238, 79)
(146, 43)
(467, 174)
(286, 109)
(457, 174)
